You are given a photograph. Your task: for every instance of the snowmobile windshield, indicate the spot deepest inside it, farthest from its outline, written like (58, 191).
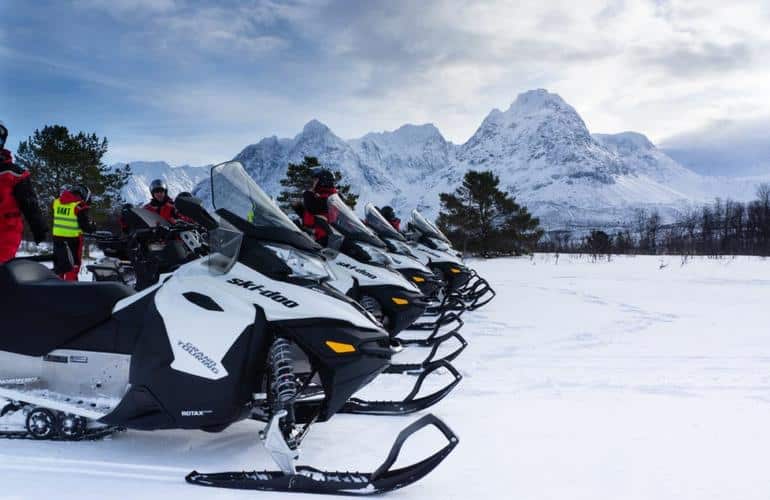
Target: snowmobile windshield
(234, 190)
(224, 247)
(345, 221)
(141, 218)
(400, 247)
(427, 228)
(380, 224)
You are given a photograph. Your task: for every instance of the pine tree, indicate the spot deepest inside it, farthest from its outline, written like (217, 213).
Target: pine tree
(599, 242)
(299, 177)
(55, 159)
(480, 218)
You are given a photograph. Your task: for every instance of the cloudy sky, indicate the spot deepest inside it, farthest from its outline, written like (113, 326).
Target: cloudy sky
(193, 82)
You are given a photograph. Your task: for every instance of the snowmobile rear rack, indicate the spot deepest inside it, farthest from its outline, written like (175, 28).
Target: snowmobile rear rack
(311, 480)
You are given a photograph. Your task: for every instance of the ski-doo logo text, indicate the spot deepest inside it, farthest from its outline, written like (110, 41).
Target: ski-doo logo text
(197, 354)
(276, 296)
(358, 270)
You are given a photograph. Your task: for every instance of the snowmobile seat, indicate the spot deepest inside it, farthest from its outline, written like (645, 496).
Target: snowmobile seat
(39, 312)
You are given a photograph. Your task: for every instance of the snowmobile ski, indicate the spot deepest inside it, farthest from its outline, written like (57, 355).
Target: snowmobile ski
(306, 479)
(310, 405)
(410, 404)
(434, 343)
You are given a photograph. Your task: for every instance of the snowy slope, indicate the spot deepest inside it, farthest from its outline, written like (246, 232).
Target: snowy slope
(651, 382)
(178, 179)
(267, 161)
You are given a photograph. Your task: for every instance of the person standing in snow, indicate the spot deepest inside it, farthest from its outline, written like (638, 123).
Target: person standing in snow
(161, 203)
(390, 216)
(17, 198)
(314, 202)
(70, 221)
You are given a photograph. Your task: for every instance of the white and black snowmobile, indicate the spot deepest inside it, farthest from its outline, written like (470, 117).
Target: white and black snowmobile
(434, 249)
(365, 273)
(249, 331)
(445, 307)
(150, 246)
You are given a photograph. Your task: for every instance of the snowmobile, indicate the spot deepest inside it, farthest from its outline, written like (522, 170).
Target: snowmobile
(150, 246)
(148, 360)
(445, 307)
(435, 250)
(365, 273)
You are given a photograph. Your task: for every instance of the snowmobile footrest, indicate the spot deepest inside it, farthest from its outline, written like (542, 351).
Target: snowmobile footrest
(312, 480)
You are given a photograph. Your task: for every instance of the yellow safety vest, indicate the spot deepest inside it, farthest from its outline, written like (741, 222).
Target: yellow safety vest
(65, 220)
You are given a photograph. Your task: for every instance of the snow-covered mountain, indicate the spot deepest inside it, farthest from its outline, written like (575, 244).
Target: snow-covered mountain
(178, 179)
(539, 147)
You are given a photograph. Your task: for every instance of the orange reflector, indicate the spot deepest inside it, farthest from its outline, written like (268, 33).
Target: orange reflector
(455, 270)
(339, 347)
(399, 302)
(418, 279)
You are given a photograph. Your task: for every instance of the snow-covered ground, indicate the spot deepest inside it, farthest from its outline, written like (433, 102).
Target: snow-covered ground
(638, 378)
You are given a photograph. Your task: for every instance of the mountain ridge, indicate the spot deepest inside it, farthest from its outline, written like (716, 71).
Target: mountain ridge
(539, 146)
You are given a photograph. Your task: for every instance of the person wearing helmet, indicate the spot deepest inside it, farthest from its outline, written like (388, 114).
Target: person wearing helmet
(390, 216)
(161, 203)
(314, 202)
(70, 221)
(180, 216)
(17, 198)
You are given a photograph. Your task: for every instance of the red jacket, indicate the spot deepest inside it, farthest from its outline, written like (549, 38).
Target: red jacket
(163, 208)
(315, 204)
(17, 197)
(10, 213)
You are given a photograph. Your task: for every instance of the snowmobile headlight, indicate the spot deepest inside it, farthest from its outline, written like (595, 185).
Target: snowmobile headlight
(302, 265)
(455, 270)
(418, 279)
(377, 255)
(399, 301)
(340, 347)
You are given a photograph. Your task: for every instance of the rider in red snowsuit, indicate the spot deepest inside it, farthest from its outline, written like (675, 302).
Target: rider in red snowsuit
(160, 203)
(390, 216)
(314, 202)
(17, 198)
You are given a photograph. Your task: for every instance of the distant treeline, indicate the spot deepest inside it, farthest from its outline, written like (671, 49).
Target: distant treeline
(724, 227)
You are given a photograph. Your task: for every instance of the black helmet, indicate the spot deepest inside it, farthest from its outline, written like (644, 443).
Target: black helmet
(324, 176)
(158, 185)
(82, 191)
(388, 213)
(3, 134)
(184, 194)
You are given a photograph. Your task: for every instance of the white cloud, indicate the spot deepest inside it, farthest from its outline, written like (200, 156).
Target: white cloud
(659, 67)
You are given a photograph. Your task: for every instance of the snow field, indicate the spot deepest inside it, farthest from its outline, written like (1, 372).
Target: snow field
(635, 378)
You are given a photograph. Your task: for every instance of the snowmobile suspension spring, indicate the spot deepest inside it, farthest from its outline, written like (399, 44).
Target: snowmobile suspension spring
(284, 384)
